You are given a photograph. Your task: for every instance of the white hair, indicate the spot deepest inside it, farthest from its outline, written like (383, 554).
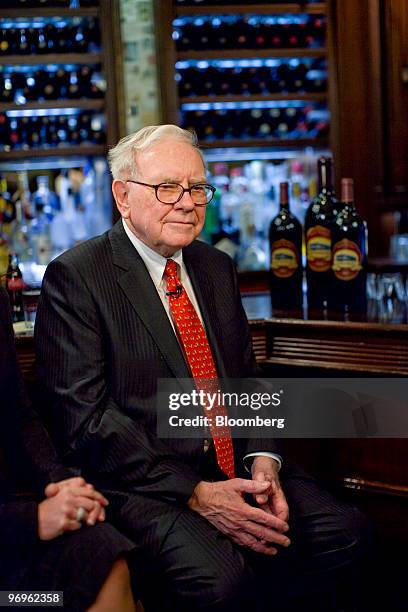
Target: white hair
(122, 157)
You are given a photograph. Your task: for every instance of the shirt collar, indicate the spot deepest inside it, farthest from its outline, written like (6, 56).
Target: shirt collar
(154, 262)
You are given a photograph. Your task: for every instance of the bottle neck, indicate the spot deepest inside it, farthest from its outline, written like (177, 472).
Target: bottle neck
(325, 175)
(347, 193)
(284, 197)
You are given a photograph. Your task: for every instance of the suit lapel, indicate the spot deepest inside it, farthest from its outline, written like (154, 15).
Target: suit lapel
(137, 285)
(204, 292)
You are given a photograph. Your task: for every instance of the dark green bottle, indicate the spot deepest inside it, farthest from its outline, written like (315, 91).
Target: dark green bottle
(286, 272)
(349, 264)
(318, 224)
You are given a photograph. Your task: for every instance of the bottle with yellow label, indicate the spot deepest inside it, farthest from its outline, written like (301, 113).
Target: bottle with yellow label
(286, 273)
(318, 223)
(349, 262)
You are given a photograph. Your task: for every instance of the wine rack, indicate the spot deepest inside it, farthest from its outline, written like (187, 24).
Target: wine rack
(57, 63)
(236, 65)
(60, 107)
(253, 80)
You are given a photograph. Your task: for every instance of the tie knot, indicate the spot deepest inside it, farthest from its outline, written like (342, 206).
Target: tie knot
(171, 269)
(170, 275)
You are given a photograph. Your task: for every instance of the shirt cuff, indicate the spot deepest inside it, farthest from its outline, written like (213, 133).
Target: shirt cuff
(248, 464)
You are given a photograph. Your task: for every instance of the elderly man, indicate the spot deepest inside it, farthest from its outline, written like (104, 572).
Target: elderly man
(112, 320)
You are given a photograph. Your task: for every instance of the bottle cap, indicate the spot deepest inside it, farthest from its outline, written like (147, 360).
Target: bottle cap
(347, 190)
(284, 193)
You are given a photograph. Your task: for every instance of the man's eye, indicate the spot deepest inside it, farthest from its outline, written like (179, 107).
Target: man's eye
(198, 188)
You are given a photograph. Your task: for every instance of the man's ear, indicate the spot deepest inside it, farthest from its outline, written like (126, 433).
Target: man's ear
(120, 193)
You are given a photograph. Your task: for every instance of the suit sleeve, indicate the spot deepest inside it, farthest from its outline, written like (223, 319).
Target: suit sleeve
(91, 429)
(27, 444)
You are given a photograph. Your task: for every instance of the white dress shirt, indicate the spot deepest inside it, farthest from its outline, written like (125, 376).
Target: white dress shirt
(155, 264)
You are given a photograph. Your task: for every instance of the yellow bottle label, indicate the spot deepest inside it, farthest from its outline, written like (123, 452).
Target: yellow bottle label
(347, 260)
(284, 259)
(318, 248)
(4, 45)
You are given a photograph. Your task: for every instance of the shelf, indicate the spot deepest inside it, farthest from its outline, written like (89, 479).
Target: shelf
(52, 152)
(263, 143)
(258, 9)
(56, 58)
(249, 53)
(310, 97)
(46, 104)
(49, 12)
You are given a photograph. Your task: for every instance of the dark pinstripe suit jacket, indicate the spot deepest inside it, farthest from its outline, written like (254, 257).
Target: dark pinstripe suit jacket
(103, 339)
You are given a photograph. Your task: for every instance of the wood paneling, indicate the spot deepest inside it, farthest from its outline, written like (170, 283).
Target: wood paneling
(166, 59)
(395, 59)
(358, 143)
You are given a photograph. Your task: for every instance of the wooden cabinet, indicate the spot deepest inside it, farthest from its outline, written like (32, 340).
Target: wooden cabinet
(105, 15)
(371, 141)
(170, 16)
(394, 20)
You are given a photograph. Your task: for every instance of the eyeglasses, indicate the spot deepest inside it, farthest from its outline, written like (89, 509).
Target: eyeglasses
(171, 193)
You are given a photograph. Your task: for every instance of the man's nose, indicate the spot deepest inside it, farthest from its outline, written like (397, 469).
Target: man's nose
(185, 202)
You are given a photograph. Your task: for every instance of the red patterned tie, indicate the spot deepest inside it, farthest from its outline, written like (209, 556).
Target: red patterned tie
(194, 340)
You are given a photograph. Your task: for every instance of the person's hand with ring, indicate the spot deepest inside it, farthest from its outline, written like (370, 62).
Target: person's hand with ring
(79, 486)
(68, 504)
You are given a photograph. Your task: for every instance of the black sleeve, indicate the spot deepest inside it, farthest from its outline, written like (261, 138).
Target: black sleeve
(96, 432)
(26, 442)
(18, 525)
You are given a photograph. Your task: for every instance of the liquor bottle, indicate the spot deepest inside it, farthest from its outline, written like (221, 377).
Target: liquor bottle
(45, 202)
(20, 235)
(212, 218)
(285, 242)
(349, 238)
(227, 239)
(14, 287)
(41, 238)
(254, 254)
(318, 223)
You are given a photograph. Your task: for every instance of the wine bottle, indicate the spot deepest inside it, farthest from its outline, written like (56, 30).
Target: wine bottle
(23, 46)
(285, 241)
(14, 287)
(13, 39)
(349, 238)
(318, 223)
(41, 45)
(4, 41)
(61, 82)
